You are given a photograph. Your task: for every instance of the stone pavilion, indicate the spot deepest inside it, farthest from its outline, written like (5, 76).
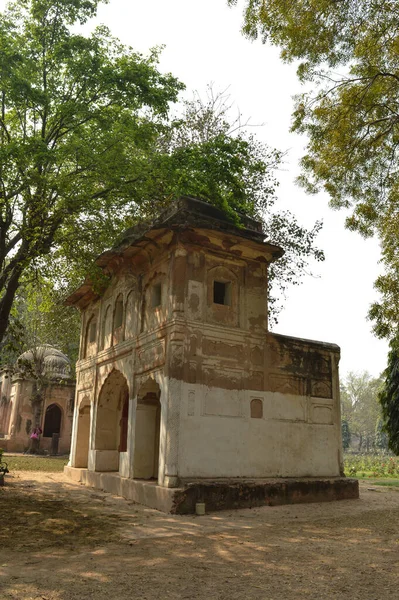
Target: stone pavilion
(183, 394)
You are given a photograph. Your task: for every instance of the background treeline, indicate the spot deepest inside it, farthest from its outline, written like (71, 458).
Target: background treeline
(361, 413)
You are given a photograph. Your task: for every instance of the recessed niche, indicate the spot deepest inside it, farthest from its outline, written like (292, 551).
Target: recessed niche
(222, 292)
(118, 318)
(156, 295)
(256, 409)
(92, 331)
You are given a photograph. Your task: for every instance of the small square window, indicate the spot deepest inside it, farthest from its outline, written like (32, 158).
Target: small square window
(156, 296)
(222, 293)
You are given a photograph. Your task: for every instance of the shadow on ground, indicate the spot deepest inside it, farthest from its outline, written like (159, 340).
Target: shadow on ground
(66, 542)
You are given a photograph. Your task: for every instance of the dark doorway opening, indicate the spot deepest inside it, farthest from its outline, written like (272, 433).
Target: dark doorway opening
(52, 421)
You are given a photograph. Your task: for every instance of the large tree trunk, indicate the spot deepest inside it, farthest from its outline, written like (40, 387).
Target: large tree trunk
(7, 299)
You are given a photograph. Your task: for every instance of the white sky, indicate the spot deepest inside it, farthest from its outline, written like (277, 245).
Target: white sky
(203, 45)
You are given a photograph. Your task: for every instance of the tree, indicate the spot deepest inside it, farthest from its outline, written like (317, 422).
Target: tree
(39, 318)
(381, 437)
(215, 157)
(88, 148)
(347, 50)
(205, 152)
(360, 407)
(77, 117)
(389, 397)
(346, 434)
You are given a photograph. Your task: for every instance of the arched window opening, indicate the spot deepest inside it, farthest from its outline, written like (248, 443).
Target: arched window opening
(92, 330)
(118, 315)
(156, 295)
(91, 334)
(52, 420)
(256, 409)
(105, 329)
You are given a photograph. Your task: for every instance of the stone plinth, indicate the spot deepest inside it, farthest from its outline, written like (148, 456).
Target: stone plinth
(223, 494)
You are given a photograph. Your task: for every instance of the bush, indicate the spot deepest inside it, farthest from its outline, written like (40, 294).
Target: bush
(371, 465)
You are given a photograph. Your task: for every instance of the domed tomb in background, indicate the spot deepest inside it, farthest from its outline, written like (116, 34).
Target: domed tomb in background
(53, 364)
(42, 367)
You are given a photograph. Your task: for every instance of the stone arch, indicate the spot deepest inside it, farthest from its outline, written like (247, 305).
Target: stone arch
(112, 399)
(52, 420)
(147, 431)
(83, 433)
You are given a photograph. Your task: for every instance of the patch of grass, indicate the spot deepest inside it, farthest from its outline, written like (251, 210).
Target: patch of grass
(385, 482)
(48, 464)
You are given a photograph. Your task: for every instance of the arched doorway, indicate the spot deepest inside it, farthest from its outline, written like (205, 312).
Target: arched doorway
(112, 420)
(52, 420)
(147, 431)
(83, 434)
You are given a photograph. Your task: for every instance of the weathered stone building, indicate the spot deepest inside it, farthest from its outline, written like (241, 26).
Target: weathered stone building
(179, 378)
(17, 389)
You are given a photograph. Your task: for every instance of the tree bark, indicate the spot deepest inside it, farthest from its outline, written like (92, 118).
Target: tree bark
(8, 298)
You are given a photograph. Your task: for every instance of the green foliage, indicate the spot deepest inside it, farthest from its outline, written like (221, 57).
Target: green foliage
(348, 50)
(389, 397)
(36, 463)
(207, 153)
(3, 465)
(346, 434)
(214, 158)
(360, 408)
(77, 117)
(381, 437)
(371, 465)
(88, 148)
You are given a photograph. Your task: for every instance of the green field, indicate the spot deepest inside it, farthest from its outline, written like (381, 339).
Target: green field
(377, 469)
(49, 464)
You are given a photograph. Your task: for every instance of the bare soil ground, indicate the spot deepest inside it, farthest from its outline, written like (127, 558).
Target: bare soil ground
(62, 541)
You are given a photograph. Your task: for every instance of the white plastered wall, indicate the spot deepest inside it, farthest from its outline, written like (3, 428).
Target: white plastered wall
(297, 436)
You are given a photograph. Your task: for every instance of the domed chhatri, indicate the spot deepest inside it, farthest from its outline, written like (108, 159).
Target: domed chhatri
(54, 364)
(19, 419)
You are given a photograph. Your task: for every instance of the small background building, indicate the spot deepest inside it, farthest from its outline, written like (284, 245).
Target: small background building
(17, 390)
(179, 379)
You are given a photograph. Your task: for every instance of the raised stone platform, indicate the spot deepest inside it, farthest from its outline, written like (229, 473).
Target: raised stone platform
(223, 494)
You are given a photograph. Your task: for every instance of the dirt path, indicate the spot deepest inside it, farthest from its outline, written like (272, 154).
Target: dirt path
(62, 541)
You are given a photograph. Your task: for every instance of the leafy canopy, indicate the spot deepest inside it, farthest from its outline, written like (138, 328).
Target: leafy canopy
(389, 397)
(348, 50)
(77, 116)
(205, 152)
(89, 146)
(360, 409)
